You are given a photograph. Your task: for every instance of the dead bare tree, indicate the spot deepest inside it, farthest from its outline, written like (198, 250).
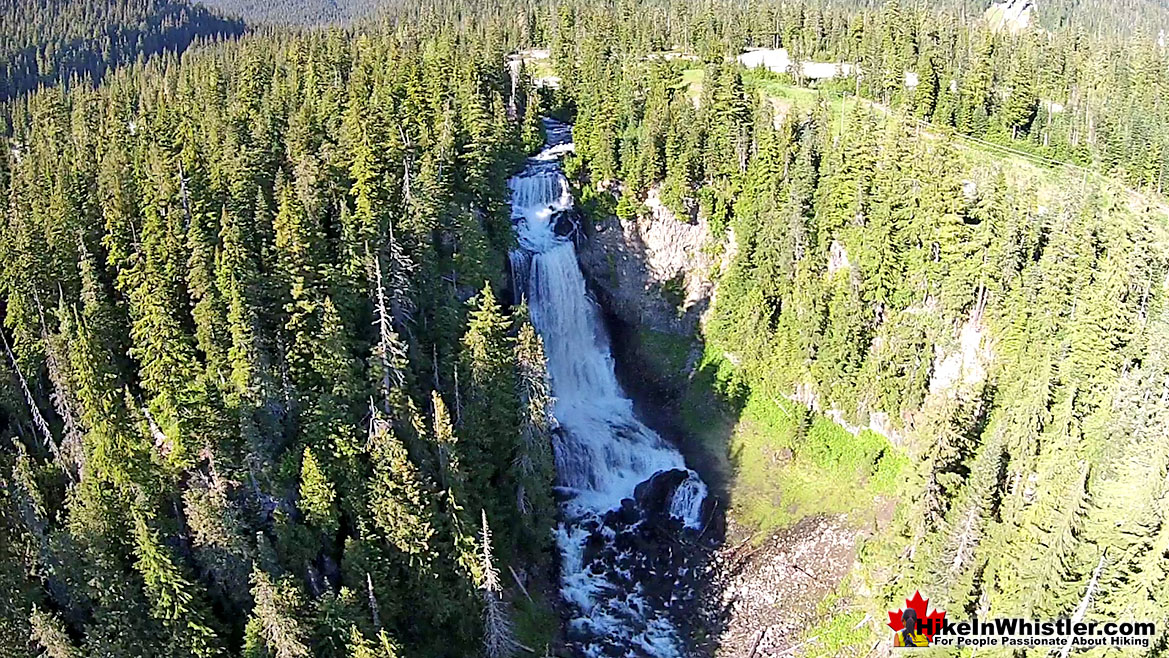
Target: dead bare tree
(498, 635)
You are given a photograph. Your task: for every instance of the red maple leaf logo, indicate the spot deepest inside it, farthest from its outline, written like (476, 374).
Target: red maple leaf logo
(930, 623)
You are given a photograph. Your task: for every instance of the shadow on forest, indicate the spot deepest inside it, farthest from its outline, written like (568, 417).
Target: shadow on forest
(673, 408)
(674, 392)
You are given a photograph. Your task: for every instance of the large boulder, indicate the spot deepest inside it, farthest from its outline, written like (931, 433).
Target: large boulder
(655, 495)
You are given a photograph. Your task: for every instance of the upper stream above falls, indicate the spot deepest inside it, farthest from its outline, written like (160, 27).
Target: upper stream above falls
(629, 505)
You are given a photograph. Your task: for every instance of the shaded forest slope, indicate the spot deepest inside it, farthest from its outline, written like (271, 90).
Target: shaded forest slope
(45, 42)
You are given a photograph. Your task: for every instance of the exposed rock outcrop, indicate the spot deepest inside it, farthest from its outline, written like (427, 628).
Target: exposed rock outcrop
(763, 596)
(879, 421)
(645, 550)
(962, 368)
(653, 271)
(1014, 16)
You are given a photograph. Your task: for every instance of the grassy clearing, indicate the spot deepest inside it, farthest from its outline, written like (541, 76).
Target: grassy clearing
(777, 86)
(692, 77)
(692, 83)
(783, 462)
(778, 89)
(540, 68)
(789, 468)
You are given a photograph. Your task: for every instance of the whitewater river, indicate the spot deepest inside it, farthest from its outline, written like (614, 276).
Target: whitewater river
(602, 451)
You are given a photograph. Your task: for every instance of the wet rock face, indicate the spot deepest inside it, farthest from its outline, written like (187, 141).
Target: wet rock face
(568, 223)
(654, 498)
(654, 495)
(641, 548)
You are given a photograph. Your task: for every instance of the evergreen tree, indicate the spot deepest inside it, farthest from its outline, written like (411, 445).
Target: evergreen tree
(360, 647)
(276, 627)
(49, 633)
(490, 409)
(1021, 104)
(171, 596)
(534, 460)
(397, 494)
(317, 495)
(925, 95)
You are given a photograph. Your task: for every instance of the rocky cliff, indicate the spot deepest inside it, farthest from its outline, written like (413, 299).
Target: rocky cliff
(1012, 16)
(654, 271)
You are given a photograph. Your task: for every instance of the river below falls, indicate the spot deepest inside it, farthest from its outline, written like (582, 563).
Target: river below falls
(627, 501)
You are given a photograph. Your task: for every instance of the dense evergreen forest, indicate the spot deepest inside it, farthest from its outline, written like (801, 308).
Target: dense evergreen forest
(298, 12)
(43, 42)
(860, 246)
(1097, 17)
(263, 397)
(1096, 102)
(1093, 17)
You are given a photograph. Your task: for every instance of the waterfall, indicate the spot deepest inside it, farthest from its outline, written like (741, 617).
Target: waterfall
(602, 451)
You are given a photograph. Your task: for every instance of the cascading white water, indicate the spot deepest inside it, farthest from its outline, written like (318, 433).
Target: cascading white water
(602, 451)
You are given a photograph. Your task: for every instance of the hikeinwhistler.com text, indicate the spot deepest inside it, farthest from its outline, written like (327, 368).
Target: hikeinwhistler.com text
(1019, 632)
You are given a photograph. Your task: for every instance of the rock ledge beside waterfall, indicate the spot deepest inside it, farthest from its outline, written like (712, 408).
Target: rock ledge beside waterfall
(654, 270)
